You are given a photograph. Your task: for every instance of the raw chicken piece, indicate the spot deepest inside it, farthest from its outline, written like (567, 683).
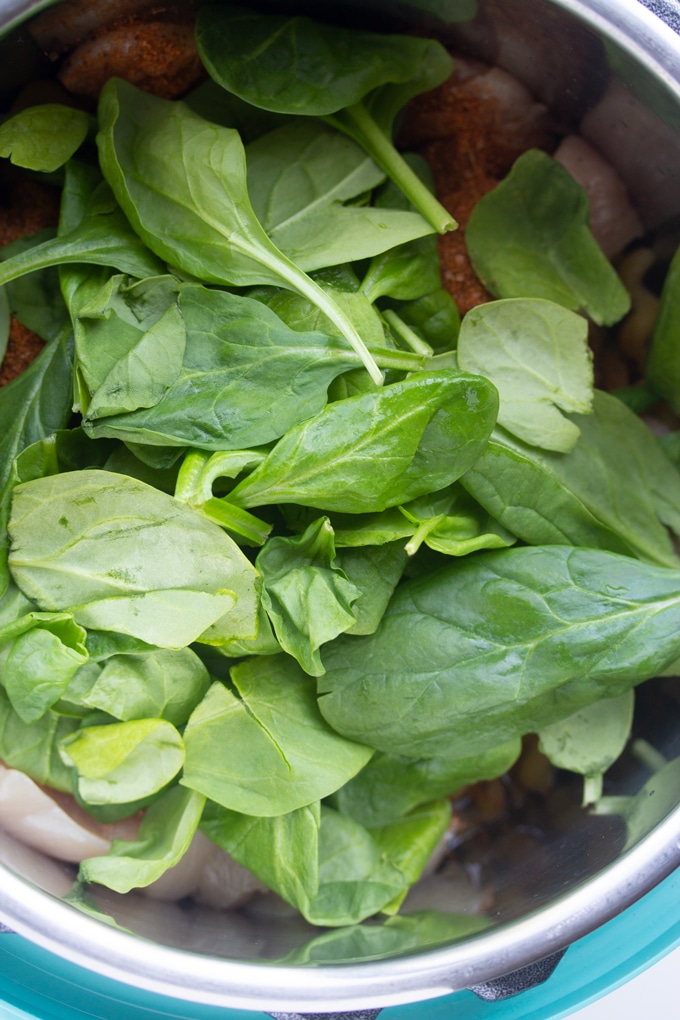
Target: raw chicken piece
(209, 875)
(613, 220)
(28, 813)
(633, 138)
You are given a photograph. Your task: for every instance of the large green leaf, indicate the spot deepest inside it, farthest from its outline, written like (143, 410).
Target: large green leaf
(123, 556)
(498, 645)
(265, 749)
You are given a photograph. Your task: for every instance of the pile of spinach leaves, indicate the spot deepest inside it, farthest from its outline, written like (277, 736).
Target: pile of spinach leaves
(252, 587)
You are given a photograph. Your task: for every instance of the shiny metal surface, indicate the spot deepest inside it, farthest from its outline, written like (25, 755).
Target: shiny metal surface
(583, 878)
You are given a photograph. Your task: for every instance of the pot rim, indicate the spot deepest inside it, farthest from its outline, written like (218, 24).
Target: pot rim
(116, 954)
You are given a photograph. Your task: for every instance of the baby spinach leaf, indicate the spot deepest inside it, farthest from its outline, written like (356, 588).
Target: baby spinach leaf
(529, 237)
(45, 652)
(615, 490)
(36, 300)
(662, 370)
(123, 761)
(391, 785)
(307, 596)
(375, 571)
(591, 740)
(130, 339)
(500, 644)
(43, 137)
(164, 836)
(280, 752)
(408, 842)
(282, 851)
(299, 179)
(246, 376)
(30, 411)
(356, 879)
(298, 66)
(195, 212)
(161, 683)
(536, 354)
(372, 451)
(33, 747)
(125, 557)
(303, 316)
(450, 522)
(434, 317)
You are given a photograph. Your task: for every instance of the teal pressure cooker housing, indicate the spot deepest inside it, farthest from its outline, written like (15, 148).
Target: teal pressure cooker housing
(615, 909)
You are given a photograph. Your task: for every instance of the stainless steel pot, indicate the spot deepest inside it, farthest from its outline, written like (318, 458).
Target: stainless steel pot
(614, 66)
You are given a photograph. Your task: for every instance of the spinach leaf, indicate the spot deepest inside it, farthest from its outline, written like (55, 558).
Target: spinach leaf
(281, 851)
(281, 753)
(45, 651)
(301, 315)
(391, 785)
(356, 878)
(164, 836)
(408, 842)
(375, 571)
(615, 490)
(33, 747)
(373, 451)
(411, 270)
(30, 411)
(130, 339)
(301, 180)
(307, 596)
(298, 66)
(158, 684)
(662, 370)
(43, 137)
(536, 354)
(450, 522)
(529, 237)
(591, 740)
(125, 557)
(501, 644)
(246, 375)
(195, 212)
(123, 761)
(434, 317)
(35, 300)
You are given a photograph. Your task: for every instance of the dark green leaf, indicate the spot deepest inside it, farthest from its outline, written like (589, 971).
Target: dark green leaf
(498, 645)
(307, 595)
(615, 490)
(373, 451)
(392, 784)
(195, 212)
(299, 179)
